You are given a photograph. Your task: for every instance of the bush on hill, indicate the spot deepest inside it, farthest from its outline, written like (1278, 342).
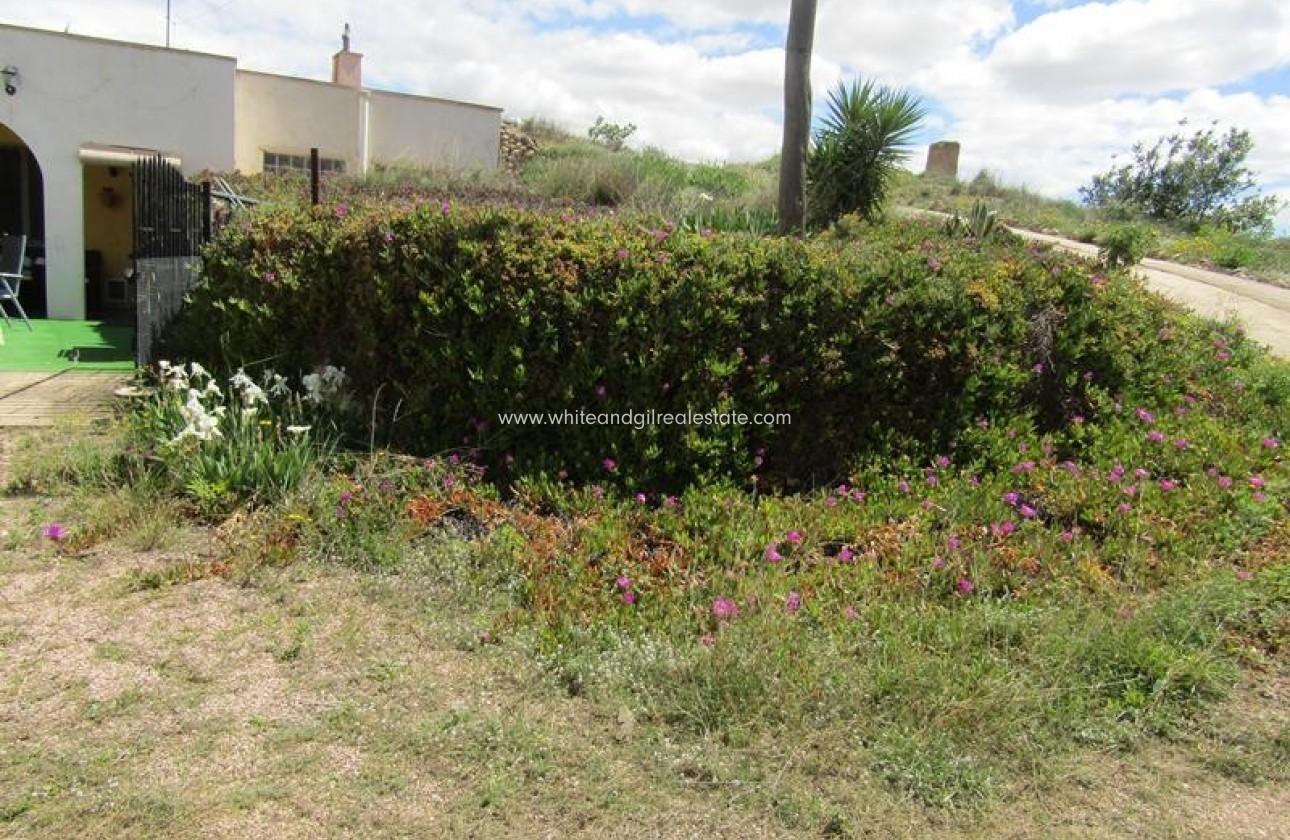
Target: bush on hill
(889, 345)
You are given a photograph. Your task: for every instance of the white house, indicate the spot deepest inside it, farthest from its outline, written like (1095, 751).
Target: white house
(82, 110)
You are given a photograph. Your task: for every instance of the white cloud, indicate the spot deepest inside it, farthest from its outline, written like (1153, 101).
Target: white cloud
(1142, 47)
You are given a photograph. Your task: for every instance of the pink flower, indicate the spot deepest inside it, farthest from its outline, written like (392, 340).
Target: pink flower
(845, 554)
(831, 501)
(1182, 443)
(724, 608)
(966, 586)
(954, 543)
(1145, 416)
(851, 614)
(1271, 443)
(640, 498)
(1068, 536)
(1012, 497)
(772, 553)
(707, 640)
(624, 582)
(794, 537)
(1001, 530)
(942, 461)
(623, 253)
(1224, 482)
(609, 464)
(903, 486)
(1027, 512)
(1260, 497)
(1124, 507)
(793, 602)
(938, 563)
(1167, 485)
(1256, 482)
(53, 531)
(1242, 574)
(1155, 436)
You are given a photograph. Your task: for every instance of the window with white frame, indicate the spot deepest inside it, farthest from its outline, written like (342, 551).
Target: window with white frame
(281, 163)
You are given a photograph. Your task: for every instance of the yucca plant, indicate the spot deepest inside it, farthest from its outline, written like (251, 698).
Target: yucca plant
(867, 132)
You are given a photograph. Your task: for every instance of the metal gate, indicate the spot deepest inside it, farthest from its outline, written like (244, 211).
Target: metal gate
(172, 223)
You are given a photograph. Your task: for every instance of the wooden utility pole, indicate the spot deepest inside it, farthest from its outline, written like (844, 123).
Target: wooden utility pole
(797, 116)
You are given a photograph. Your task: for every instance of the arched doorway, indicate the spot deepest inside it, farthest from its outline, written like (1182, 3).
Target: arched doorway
(22, 211)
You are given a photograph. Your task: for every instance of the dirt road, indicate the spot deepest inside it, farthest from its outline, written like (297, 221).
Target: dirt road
(1264, 309)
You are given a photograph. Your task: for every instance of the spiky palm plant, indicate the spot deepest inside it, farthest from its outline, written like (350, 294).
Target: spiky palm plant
(867, 133)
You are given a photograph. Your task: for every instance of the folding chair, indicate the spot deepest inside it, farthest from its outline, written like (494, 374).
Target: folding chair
(12, 251)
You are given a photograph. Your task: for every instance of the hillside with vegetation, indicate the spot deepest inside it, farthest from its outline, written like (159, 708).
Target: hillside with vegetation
(585, 172)
(1005, 554)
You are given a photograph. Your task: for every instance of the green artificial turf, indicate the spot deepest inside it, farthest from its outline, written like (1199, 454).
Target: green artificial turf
(65, 345)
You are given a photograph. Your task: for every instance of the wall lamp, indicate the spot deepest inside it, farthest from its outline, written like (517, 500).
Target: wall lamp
(10, 75)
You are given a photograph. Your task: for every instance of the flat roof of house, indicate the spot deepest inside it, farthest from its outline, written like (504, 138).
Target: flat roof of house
(416, 96)
(128, 44)
(154, 47)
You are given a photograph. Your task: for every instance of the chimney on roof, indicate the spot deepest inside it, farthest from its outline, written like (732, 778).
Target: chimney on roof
(346, 66)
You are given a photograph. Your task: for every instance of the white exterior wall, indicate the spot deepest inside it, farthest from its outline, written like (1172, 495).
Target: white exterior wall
(291, 116)
(432, 132)
(74, 90)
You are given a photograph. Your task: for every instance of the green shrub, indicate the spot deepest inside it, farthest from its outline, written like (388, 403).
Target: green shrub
(1125, 245)
(1218, 246)
(889, 346)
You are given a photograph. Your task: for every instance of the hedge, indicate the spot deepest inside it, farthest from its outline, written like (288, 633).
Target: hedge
(887, 343)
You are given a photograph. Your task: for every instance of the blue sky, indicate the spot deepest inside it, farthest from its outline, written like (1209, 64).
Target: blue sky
(1040, 92)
